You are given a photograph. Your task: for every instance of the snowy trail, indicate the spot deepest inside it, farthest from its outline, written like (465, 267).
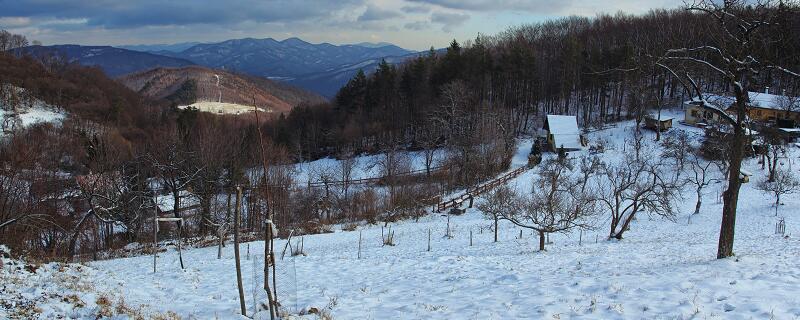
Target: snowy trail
(661, 270)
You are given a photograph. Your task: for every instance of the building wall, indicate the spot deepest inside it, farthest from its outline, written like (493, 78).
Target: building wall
(696, 114)
(760, 114)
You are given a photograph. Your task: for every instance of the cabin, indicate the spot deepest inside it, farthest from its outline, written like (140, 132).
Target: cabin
(562, 133)
(165, 204)
(698, 111)
(653, 123)
(763, 107)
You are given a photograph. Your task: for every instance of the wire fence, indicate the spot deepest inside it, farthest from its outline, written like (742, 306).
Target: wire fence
(285, 282)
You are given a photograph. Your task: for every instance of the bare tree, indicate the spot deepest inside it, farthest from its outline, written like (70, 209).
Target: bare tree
(784, 182)
(556, 203)
(632, 186)
(498, 204)
(176, 171)
(324, 173)
(428, 140)
(740, 31)
(347, 165)
(677, 146)
(773, 149)
(390, 163)
(702, 174)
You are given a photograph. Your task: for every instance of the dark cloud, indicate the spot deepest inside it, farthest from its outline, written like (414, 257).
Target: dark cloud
(449, 20)
(539, 6)
(125, 14)
(374, 13)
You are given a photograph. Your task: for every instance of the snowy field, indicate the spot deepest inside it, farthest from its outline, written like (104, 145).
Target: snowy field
(222, 107)
(39, 113)
(662, 269)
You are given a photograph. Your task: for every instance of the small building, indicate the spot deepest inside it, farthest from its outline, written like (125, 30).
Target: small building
(698, 112)
(165, 204)
(763, 107)
(767, 107)
(653, 123)
(563, 132)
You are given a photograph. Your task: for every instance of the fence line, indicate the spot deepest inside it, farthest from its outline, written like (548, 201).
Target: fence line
(470, 194)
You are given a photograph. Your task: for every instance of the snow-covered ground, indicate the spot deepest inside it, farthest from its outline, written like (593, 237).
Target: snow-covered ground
(39, 113)
(661, 270)
(222, 107)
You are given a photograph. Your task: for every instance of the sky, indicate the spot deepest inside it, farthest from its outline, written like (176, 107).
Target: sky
(412, 24)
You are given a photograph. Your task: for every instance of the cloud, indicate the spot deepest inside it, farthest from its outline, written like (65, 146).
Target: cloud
(374, 13)
(539, 6)
(416, 9)
(124, 14)
(417, 25)
(14, 22)
(449, 20)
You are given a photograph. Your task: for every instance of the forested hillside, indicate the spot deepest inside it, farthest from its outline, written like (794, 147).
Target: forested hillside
(194, 83)
(601, 69)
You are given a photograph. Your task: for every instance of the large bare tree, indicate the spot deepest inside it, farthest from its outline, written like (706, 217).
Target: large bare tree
(739, 33)
(557, 202)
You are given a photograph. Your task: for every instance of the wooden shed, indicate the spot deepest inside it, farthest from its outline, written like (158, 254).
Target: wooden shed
(653, 123)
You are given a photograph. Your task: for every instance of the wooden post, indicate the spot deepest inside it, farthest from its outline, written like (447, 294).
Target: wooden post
(180, 234)
(359, 244)
(470, 201)
(580, 238)
(429, 239)
(520, 233)
(470, 237)
(236, 251)
(448, 225)
(155, 239)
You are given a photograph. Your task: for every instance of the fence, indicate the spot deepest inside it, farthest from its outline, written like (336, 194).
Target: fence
(479, 190)
(285, 279)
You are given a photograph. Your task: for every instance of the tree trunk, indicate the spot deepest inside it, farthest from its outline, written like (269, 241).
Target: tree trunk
(495, 228)
(730, 197)
(541, 240)
(699, 201)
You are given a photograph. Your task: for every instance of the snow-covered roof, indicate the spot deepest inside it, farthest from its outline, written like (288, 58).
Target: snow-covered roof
(166, 202)
(557, 124)
(565, 131)
(757, 100)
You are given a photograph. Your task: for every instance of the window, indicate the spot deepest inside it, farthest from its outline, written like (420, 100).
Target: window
(695, 114)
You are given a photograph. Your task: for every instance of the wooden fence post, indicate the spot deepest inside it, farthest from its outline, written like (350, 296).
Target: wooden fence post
(236, 251)
(429, 239)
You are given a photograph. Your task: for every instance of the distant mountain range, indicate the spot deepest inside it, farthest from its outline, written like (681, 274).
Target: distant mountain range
(159, 48)
(114, 61)
(322, 68)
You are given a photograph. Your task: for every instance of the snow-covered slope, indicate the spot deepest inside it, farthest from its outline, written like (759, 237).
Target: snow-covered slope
(35, 112)
(661, 270)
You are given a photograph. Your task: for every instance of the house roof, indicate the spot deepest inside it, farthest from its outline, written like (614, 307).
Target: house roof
(757, 100)
(773, 101)
(565, 131)
(558, 124)
(166, 202)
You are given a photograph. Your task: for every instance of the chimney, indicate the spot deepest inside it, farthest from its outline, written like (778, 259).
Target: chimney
(766, 90)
